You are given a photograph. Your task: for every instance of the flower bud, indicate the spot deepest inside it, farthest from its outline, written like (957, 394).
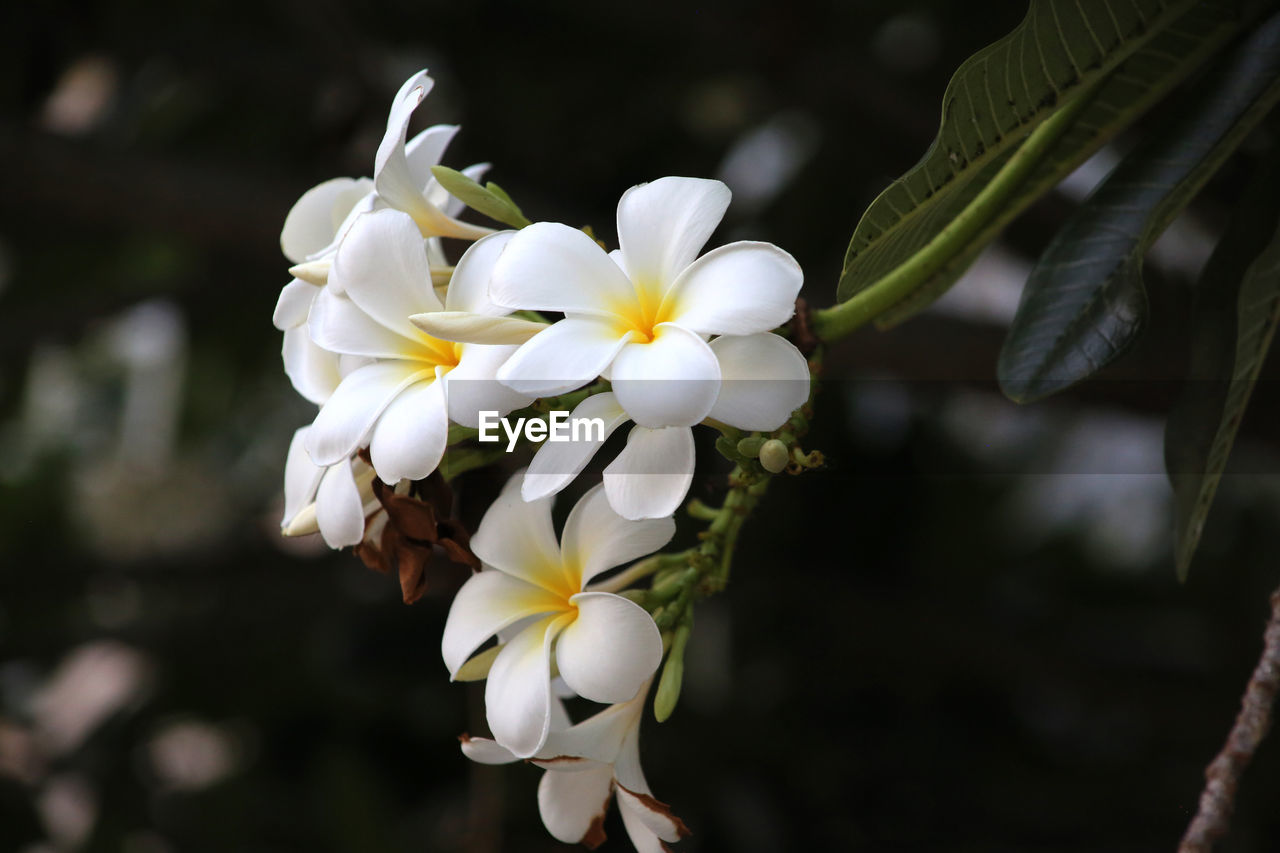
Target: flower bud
(668, 693)
(313, 272)
(774, 456)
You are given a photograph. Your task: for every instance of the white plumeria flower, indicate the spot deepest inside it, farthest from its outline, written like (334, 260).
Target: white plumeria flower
(402, 176)
(763, 379)
(400, 403)
(534, 589)
(311, 226)
(318, 221)
(335, 500)
(588, 764)
(402, 180)
(641, 316)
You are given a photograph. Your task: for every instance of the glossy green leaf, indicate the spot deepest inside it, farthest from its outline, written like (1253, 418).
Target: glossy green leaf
(1140, 82)
(1237, 306)
(490, 200)
(1084, 302)
(995, 99)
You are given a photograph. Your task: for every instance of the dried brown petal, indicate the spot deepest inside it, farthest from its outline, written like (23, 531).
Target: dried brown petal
(414, 518)
(595, 833)
(411, 526)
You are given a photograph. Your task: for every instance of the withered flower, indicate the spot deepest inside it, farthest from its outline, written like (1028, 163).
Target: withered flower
(400, 539)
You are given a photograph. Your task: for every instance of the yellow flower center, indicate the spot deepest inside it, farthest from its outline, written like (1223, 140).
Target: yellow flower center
(641, 314)
(436, 353)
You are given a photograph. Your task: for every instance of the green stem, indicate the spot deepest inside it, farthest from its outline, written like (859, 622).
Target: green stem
(835, 322)
(458, 461)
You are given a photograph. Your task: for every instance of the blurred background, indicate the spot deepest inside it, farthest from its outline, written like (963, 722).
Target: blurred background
(965, 634)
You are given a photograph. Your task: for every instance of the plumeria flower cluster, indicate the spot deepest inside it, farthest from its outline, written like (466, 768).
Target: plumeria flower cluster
(405, 354)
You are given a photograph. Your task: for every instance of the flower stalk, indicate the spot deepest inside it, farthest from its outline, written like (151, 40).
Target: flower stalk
(1222, 777)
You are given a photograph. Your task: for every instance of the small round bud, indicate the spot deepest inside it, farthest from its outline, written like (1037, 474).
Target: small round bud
(750, 446)
(774, 456)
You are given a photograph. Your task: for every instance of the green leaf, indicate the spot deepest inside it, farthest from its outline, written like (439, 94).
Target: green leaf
(1122, 98)
(995, 99)
(492, 201)
(1084, 302)
(1237, 306)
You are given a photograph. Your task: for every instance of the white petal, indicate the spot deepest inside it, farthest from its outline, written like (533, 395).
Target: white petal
(644, 816)
(571, 803)
(301, 477)
(646, 825)
(517, 696)
(561, 763)
(610, 650)
(516, 536)
(739, 289)
(477, 328)
(564, 356)
(482, 750)
(366, 204)
(294, 304)
(626, 764)
(601, 736)
(664, 224)
(552, 267)
(643, 839)
(347, 416)
(651, 475)
(426, 150)
(309, 225)
(469, 286)
(473, 386)
(670, 381)
(392, 176)
(339, 325)
(559, 716)
(339, 509)
(486, 604)
(596, 538)
(382, 266)
(411, 434)
(557, 462)
(395, 179)
(350, 363)
(763, 379)
(315, 372)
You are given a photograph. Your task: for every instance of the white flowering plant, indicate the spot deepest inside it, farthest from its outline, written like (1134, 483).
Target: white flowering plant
(415, 331)
(410, 357)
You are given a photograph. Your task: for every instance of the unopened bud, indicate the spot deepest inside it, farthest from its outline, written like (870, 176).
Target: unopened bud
(774, 456)
(668, 694)
(303, 523)
(750, 446)
(312, 272)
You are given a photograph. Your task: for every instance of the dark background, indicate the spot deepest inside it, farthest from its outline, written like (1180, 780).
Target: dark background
(965, 634)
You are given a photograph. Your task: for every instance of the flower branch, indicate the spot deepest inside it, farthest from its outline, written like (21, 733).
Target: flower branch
(1222, 777)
